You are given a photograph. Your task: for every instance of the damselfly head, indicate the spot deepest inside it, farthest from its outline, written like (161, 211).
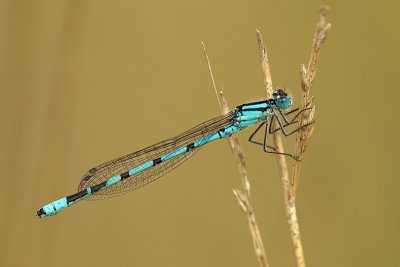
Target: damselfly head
(281, 98)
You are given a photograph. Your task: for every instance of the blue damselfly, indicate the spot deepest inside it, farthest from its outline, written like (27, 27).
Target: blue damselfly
(129, 172)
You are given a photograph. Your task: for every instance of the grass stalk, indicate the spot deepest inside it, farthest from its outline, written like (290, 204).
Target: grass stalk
(290, 205)
(242, 196)
(303, 136)
(307, 76)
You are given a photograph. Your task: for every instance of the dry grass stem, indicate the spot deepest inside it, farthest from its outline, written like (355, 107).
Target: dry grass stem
(212, 76)
(242, 198)
(245, 205)
(303, 136)
(290, 205)
(307, 76)
(233, 140)
(265, 65)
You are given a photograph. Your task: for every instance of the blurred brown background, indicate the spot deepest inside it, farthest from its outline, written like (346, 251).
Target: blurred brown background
(83, 82)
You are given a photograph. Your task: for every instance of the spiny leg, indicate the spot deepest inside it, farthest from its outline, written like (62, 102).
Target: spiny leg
(292, 121)
(285, 154)
(301, 127)
(280, 124)
(265, 137)
(283, 129)
(294, 118)
(284, 117)
(292, 111)
(271, 130)
(267, 130)
(255, 132)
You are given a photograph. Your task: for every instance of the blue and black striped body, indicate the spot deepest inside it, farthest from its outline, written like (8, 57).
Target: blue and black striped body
(132, 171)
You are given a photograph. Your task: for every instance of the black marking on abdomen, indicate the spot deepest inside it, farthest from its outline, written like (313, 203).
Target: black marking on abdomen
(156, 161)
(76, 196)
(222, 130)
(190, 147)
(124, 175)
(40, 212)
(97, 187)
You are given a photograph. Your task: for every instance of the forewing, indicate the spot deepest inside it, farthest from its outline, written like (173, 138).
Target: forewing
(125, 163)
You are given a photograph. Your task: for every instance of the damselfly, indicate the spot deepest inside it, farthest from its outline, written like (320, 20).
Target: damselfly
(129, 172)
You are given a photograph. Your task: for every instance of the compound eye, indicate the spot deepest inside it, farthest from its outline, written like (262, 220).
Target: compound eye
(281, 92)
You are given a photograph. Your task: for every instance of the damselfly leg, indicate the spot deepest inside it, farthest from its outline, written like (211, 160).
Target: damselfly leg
(255, 132)
(264, 144)
(264, 122)
(269, 130)
(292, 121)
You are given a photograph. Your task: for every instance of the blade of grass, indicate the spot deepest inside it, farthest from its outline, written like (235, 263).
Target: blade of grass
(303, 136)
(307, 77)
(242, 198)
(290, 205)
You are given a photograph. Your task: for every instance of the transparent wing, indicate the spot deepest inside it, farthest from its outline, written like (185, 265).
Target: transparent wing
(125, 163)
